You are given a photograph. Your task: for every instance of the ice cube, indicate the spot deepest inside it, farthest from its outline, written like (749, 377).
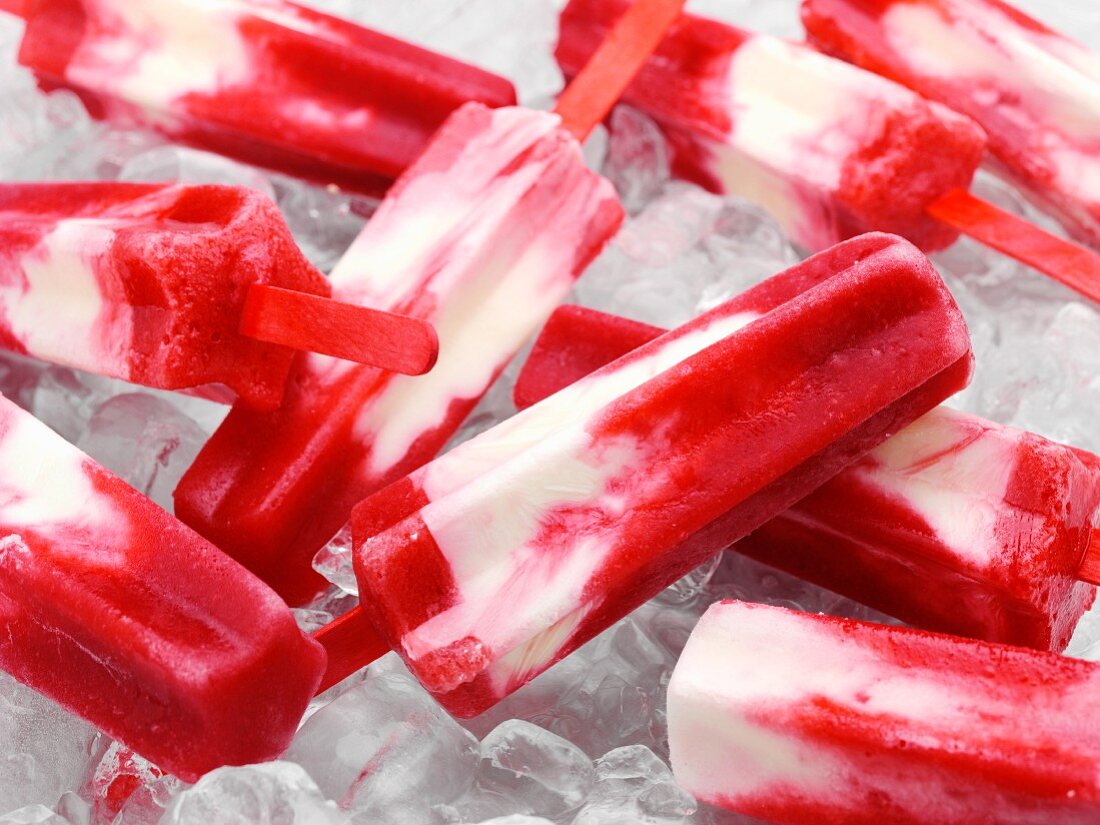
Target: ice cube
(275, 792)
(552, 775)
(144, 440)
(33, 815)
(386, 751)
(635, 786)
(44, 750)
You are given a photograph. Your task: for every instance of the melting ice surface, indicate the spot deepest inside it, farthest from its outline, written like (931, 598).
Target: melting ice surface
(584, 743)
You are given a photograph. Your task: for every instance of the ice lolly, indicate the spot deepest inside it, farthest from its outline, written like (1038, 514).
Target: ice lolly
(483, 237)
(955, 524)
(800, 719)
(265, 81)
(828, 149)
(176, 287)
(118, 612)
(1036, 92)
(500, 557)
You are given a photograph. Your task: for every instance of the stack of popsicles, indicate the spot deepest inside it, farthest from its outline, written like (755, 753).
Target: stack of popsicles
(483, 236)
(797, 421)
(993, 522)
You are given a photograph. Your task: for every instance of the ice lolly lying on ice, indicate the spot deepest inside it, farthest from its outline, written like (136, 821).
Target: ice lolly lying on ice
(266, 81)
(117, 611)
(175, 287)
(829, 149)
(501, 556)
(1036, 92)
(483, 237)
(955, 524)
(798, 718)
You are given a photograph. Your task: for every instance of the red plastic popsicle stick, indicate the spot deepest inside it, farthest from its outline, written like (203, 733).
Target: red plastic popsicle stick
(1089, 571)
(351, 644)
(316, 324)
(17, 7)
(1064, 261)
(598, 86)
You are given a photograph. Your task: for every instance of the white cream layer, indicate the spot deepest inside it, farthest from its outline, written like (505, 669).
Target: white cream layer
(60, 313)
(953, 470)
(45, 487)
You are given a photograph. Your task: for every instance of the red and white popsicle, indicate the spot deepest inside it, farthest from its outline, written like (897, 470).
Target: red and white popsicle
(804, 719)
(177, 287)
(482, 237)
(830, 150)
(955, 524)
(124, 616)
(1034, 91)
(500, 557)
(266, 81)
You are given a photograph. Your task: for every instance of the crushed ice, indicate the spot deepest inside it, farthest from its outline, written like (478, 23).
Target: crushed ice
(585, 742)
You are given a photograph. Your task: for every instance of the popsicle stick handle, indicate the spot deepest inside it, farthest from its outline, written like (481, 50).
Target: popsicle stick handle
(1064, 261)
(351, 644)
(1089, 571)
(19, 8)
(598, 86)
(316, 324)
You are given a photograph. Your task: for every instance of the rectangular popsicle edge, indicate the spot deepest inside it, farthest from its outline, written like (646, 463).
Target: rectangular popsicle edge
(482, 237)
(147, 282)
(1034, 91)
(992, 521)
(800, 718)
(829, 150)
(271, 83)
(118, 612)
(482, 589)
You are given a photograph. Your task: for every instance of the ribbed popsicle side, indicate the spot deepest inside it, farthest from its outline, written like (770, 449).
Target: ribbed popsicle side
(118, 612)
(270, 83)
(147, 282)
(482, 237)
(798, 718)
(540, 551)
(1034, 91)
(829, 150)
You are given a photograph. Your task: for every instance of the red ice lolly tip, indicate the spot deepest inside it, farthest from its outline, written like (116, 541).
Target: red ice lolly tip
(595, 90)
(1064, 261)
(124, 616)
(355, 333)
(351, 644)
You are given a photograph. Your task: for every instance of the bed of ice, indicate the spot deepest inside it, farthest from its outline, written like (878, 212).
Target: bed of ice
(585, 743)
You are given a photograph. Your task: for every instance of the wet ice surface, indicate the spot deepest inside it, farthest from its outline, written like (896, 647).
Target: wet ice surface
(585, 742)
